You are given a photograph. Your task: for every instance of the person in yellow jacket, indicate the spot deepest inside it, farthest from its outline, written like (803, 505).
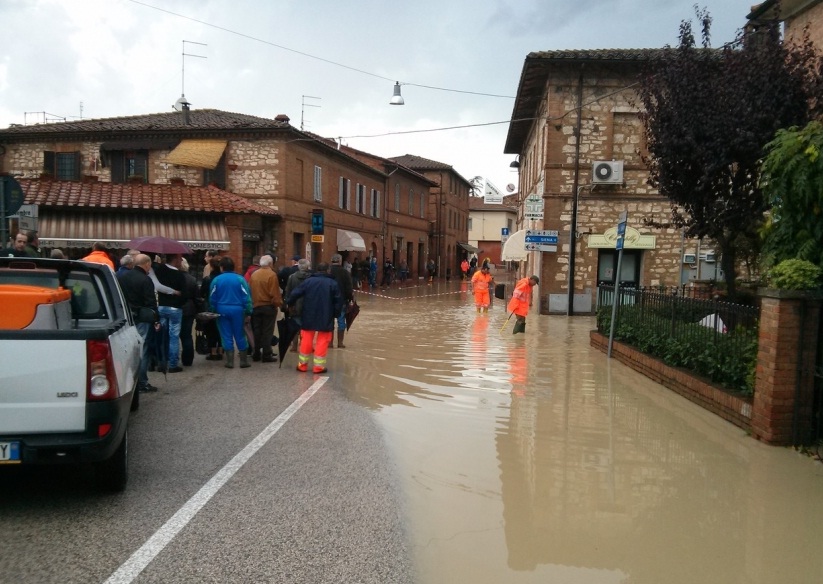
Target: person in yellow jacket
(520, 302)
(481, 282)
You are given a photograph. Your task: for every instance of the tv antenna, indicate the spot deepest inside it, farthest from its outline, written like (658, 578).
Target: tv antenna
(183, 102)
(304, 106)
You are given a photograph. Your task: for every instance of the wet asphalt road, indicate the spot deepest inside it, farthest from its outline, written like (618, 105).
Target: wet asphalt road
(316, 503)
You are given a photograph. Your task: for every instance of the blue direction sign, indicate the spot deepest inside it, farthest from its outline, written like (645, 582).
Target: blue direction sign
(541, 237)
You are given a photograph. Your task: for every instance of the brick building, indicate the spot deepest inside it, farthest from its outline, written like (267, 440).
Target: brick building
(448, 211)
(284, 173)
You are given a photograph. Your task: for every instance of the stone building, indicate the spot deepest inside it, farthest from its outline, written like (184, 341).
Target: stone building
(590, 95)
(289, 176)
(798, 16)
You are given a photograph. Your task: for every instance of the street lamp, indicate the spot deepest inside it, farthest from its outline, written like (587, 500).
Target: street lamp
(397, 99)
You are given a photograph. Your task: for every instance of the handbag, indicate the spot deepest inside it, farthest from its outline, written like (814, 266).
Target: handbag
(201, 343)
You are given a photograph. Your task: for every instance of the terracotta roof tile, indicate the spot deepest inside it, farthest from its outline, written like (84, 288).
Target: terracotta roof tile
(146, 197)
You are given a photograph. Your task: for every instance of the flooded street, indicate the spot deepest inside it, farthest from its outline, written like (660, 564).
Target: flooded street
(533, 458)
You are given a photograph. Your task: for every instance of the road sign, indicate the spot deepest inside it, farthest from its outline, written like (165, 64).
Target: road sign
(621, 228)
(619, 245)
(541, 236)
(504, 234)
(540, 247)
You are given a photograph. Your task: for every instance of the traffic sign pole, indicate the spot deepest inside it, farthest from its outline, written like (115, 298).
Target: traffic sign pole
(621, 230)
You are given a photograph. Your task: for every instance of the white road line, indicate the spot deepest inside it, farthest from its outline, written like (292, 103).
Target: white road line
(127, 572)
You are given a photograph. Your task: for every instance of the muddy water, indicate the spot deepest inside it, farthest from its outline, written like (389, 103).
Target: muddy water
(532, 458)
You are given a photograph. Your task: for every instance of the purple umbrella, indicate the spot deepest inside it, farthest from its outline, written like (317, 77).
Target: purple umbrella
(159, 244)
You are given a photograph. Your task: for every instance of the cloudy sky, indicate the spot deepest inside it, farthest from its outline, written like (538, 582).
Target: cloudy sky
(329, 65)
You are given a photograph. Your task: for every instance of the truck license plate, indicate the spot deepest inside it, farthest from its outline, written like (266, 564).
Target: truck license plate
(9, 452)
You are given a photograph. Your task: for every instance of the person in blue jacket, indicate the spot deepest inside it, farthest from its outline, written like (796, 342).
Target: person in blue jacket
(322, 302)
(230, 297)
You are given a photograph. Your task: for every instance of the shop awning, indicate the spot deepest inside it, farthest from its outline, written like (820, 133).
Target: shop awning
(349, 241)
(116, 229)
(197, 153)
(468, 248)
(514, 250)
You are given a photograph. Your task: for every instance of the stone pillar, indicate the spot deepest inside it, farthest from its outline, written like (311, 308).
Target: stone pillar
(787, 350)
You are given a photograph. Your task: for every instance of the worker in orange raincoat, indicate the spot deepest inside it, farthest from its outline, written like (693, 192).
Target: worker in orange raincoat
(520, 302)
(482, 281)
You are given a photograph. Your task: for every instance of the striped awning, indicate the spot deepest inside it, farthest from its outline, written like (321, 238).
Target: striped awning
(197, 153)
(116, 229)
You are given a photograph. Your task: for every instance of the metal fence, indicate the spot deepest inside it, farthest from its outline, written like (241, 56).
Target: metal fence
(714, 338)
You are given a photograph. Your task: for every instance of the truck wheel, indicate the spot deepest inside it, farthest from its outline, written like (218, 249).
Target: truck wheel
(135, 400)
(113, 474)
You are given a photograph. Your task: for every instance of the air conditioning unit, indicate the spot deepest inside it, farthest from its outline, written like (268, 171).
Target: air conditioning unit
(689, 258)
(607, 172)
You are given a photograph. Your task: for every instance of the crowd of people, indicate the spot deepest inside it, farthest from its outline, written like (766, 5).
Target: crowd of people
(237, 314)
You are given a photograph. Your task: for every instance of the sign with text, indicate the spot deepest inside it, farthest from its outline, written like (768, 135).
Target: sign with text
(541, 240)
(533, 207)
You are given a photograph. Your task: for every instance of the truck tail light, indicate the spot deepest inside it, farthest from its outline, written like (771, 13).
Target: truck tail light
(102, 384)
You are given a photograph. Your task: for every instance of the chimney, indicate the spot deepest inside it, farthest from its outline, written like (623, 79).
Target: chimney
(282, 118)
(186, 109)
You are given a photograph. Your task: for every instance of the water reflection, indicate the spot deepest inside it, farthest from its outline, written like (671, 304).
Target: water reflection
(532, 458)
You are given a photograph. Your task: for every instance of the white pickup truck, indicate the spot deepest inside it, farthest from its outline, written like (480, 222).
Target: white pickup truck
(69, 354)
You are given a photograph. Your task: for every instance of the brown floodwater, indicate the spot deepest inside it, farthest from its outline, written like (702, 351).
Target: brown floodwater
(533, 458)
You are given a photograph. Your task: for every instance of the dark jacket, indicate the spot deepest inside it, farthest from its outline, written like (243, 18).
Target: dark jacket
(284, 274)
(322, 302)
(295, 280)
(173, 279)
(191, 294)
(343, 279)
(138, 290)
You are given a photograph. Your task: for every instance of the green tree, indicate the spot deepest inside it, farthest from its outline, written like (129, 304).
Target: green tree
(792, 182)
(708, 115)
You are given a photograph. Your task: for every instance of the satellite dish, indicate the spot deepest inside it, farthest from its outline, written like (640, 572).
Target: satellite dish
(510, 187)
(181, 103)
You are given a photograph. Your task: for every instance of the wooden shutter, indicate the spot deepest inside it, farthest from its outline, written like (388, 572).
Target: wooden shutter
(49, 163)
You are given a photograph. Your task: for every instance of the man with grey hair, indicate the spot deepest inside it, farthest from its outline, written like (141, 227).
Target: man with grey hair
(266, 298)
(126, 264)
(295, 311)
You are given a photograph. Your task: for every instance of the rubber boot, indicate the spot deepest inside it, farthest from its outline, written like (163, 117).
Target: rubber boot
(244, 360)
(230, 360)
(340, 335)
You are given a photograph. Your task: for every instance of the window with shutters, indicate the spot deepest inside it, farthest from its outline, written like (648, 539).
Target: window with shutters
(62, 165)
(396, 197)
(360, 203)
(375, 203)
(423, 204)
(344, 193)
(318, 183)
(129, 166)
(411, 201)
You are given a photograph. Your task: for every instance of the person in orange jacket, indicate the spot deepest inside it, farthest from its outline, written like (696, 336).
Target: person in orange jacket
(482, 281)
(99, 255)
(520, 302)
